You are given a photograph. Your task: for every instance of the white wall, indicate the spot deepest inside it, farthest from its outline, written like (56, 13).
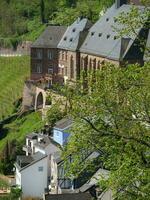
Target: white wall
(38, 149)
(33, 142)
(58, 136)
(54, 175)
(33, 181)
(18, 177)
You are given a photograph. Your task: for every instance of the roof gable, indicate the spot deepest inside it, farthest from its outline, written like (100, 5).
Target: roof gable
(71, 38)
(63, 124)
(50, 37)
(102, 40)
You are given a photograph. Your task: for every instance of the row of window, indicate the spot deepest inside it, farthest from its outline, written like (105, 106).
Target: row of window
(91, 64)
(63, 55)
(50, 54)
(38, 69)
(64, 71)
(39, 54)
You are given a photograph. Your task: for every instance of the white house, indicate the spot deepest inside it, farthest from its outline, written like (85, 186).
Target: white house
(32, 174)
(33, 170)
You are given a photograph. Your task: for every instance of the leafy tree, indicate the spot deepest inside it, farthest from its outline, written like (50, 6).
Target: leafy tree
(129, 24)
(114, 119)
(54, 114)
(42, 7)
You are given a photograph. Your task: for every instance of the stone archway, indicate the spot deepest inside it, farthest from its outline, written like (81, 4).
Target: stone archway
(40, 101)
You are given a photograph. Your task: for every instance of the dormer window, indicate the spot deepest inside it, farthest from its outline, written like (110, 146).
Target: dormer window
(100, 34)
(71, 39)
(92, 33)
(73, 30)
(108, 36)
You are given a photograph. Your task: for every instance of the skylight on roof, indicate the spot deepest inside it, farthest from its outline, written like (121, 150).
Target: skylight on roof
(100, 34)
(115, 37)
(71, 39)
(108, 36)
(107, 19)
(92, 33)
(65, 38)
(73, 30)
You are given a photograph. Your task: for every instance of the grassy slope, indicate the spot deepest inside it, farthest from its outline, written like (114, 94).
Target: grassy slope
(13, 72)
(20, 127)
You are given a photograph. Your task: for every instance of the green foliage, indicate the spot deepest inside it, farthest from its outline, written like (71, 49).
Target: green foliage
(15, 193)
(13, 138)
(23, 20)
(129, 24)
(54, 114)
(113, 119)
(14, 71)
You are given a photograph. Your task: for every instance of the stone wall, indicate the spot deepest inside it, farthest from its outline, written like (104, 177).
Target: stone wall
(22, 49)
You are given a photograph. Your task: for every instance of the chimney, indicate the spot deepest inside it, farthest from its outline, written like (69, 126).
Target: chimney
(119, 3)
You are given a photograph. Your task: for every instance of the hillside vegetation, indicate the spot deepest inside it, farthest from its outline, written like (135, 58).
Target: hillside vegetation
(14, 71)
(12, 138)
(26, 19)
(17, 129)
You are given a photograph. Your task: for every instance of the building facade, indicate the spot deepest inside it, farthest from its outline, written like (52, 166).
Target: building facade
(32, 174)
(44, 54)
(60, 54)
(83, 46)
(69, 45)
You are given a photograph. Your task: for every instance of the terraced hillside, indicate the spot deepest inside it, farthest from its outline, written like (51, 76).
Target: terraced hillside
(18, 128)
(13, 72)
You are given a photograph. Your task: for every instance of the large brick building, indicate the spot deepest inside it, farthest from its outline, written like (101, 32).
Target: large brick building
(69, 55)
(44, 54)
(60, 53)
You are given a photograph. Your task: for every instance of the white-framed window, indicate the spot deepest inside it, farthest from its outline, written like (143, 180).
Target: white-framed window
(39, 68)
(50, 54)
(50, 70)
(40, 169)
(39, 54)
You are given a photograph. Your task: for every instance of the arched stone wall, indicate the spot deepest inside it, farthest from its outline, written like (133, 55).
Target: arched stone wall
(40, 99)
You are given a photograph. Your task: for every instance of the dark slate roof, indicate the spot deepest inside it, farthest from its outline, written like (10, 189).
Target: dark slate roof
(75, 35)
(102, 41)
(50, 37)
(45, 140)
(74, 196)
(147, 56)
(25, 161)
(63, 124)
(100, 173)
